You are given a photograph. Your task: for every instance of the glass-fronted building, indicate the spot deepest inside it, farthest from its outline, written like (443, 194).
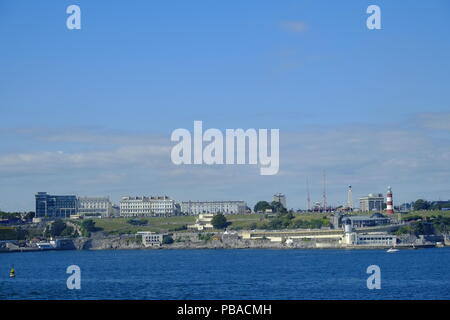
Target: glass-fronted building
(55, 206)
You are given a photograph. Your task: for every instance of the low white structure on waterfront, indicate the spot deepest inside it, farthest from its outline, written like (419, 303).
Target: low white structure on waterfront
(203, 222)
(370, 239)
(225, 207)
(283, 235)
(377, 239)
(160, 206)
(347, 238)
(150, 239)
(52, 244)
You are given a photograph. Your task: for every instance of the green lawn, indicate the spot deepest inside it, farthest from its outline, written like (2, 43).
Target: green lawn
(424, 213)
(427, 213)
(157, 224)
(120, 225)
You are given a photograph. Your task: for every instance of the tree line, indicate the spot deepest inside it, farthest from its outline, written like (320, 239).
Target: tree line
(422, 204)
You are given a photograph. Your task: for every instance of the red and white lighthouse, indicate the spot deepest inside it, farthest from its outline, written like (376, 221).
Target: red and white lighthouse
(389, 202)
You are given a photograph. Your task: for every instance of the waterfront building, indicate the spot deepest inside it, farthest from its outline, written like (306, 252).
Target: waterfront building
(280, 198)
(297, 235)
(370, 239)
(367, 239)
(203, 222)
(159, 206)
(324, 238)
(55, 206)
(52, 244)
(373, 202)
(95, 206)
(150, 239)
(365, 221)
(224, 207)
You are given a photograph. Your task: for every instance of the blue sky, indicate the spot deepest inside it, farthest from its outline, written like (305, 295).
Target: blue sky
(91, 111)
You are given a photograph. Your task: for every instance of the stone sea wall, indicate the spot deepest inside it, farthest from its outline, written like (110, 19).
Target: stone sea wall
(192, 241)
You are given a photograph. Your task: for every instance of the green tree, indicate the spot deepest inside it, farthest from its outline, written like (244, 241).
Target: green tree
(403, 230)
(89, 225)
(55, 229)
(421, 204)
(9, 215)
(277, 223)
(419, 228)
(167, 240)
(412, 218)
(442, 224)
(29, 215)
(205, 236)
(219, 221)
(138, 222)
(278, 207)
(262, 206)
(67, 232)
(179, 228)
(10, 233)
(438, 205)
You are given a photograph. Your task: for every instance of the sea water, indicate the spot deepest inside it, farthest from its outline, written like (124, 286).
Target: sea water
(227, 274)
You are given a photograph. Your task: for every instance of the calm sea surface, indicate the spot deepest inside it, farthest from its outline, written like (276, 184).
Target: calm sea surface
(227, 274)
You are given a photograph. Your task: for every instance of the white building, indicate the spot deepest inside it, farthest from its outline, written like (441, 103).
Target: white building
(378, 239)
(225, 207)
(280, 198)
(203, 222)
(150, 239)
(370, 239)
(100, 206)
(147, 206)
(373, 202)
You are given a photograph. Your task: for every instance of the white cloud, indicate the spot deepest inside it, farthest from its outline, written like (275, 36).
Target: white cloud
(144, 155)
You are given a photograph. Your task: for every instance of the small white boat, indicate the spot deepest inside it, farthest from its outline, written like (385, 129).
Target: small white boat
(392, 250)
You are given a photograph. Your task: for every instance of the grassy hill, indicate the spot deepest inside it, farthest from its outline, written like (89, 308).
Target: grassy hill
(158, 224)
(238, 222)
